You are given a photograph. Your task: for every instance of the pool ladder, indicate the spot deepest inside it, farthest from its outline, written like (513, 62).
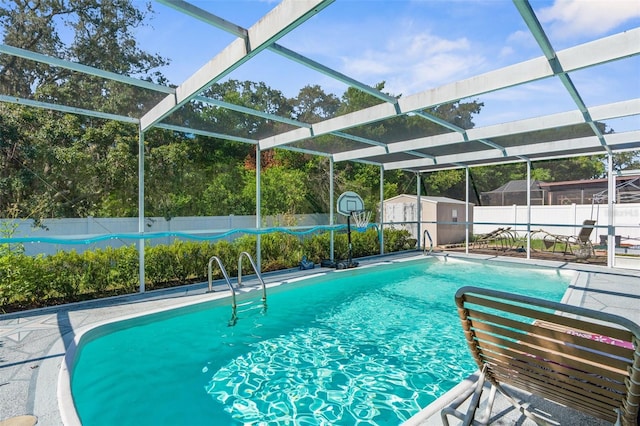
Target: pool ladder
(234, 305)
(426, 234)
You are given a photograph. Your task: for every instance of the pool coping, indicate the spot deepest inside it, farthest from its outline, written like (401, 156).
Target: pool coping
(37, 377)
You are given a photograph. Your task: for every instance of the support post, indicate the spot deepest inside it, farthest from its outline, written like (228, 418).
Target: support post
(418, 209)
(611, 189)
(141, 208)
(331, 209)
(258, 203)
(528, 209)
(381, 226)
(466, 210)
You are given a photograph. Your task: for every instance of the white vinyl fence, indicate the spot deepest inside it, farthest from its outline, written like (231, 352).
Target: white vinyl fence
(92, 227)
(565, 220)
(626, 219)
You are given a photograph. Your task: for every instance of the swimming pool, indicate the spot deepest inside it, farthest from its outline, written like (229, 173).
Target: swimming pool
(370, 345)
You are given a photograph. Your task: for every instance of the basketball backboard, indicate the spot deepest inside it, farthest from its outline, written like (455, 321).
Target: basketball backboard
(349, 202)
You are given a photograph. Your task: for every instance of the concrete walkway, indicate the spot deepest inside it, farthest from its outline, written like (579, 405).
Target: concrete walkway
(33, 343)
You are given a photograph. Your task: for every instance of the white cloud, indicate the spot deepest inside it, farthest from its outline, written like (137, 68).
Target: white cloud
(576, 18)
(506, 51)
(413, 62)
(521, 37)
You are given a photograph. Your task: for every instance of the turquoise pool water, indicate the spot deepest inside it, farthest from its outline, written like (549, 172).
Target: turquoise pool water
(364, 346)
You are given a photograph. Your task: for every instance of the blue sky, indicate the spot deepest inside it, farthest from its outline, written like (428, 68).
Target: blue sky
(414, 46)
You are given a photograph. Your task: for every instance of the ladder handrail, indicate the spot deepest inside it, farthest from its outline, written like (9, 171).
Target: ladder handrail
(224, 274)
(424, 244)
(234, 315)
(255, 269)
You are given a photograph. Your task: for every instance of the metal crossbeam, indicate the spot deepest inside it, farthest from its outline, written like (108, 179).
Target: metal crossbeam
(530, 18)
(283, 19)
(68, 109)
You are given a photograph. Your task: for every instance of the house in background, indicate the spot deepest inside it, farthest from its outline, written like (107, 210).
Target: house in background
(515, 192)
(446, 211)
(592, 191)
(589, 191)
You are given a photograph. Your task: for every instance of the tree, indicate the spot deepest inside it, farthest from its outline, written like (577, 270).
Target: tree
(14, 178)
(283, 190)
(626, 160)
(313, 105)
(257, 96)
(102, 38)
(56, 162)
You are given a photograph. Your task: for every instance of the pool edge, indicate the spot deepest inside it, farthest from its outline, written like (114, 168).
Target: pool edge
(65, 404)
(44, 384)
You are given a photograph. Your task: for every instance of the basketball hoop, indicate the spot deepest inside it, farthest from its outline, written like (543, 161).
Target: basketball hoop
(361, 218)
(351, 205)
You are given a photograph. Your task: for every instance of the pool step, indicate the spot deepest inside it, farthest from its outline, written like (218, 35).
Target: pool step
(252, 305)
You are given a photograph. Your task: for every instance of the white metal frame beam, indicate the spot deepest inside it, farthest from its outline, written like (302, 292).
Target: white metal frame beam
(238, 31)
(589, 144)
(601, 112)
(250, 111)
(291, 13)
(68, 109)
(206, 17)
(604, 50)
(283, 19)
(536, 29)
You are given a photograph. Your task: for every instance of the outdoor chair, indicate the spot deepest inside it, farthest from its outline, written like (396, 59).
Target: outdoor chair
(499, 238)
(580, 358)
(577, 245)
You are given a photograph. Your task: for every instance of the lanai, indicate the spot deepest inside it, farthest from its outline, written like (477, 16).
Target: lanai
(524, 140)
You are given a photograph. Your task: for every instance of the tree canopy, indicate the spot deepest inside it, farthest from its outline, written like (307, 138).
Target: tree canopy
(54, 164)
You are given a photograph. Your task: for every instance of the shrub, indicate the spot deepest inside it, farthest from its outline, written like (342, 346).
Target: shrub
(15, 281)
(159, 266)
(26, 280)
(65, 274)
(280, 251)
(97, 270)
(317, 247)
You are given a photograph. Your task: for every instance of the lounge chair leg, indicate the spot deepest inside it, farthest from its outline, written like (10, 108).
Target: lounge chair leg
(468, 417)
(523, 408)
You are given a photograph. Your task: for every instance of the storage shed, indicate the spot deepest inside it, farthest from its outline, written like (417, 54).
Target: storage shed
(401, 212)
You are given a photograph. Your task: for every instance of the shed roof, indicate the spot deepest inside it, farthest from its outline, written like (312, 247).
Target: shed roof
(427, 198)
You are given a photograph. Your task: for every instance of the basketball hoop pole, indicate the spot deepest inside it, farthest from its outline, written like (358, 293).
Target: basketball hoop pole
(350, 254)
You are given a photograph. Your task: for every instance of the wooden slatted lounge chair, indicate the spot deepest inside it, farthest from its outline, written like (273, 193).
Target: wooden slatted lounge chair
(581, 358)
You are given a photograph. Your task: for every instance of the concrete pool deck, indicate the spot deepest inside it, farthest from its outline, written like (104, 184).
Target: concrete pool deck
(33, 343)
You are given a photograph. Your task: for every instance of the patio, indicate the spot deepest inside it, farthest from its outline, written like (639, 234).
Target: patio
(34, 342)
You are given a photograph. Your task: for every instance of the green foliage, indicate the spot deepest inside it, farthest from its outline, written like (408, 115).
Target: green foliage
(317, 247)
(63, 165)
(398, 240)
(283, 190)
(7, 230)
(70, 276)
(64, 273)
(573, 168)
(280, 251)
(95, 33)
(16, 279)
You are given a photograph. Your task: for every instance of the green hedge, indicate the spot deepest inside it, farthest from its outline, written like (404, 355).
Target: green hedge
(64, 277)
